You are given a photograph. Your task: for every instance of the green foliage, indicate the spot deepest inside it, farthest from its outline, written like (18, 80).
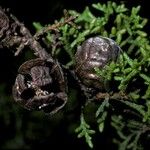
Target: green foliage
(84, 131)
(128, 140)
(130, 73)
(101, 114)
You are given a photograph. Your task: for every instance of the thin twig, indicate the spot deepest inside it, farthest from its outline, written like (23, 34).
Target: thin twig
(115, 96)
(30, 41)
(54, 27)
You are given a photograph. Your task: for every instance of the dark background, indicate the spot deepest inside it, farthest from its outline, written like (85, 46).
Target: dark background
(20, 129)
